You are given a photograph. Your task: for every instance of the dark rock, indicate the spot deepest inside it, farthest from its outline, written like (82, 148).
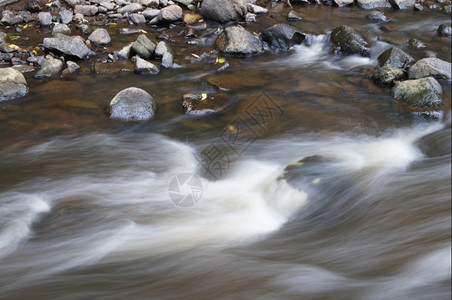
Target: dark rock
(86, 10)
(203, 103)
(129, 30)
(69, 45)
(377, 15)
(430, 66)
(445, 30)
(143, 47)
(12, 84)
(387, 74)
(6, 56)
(371, 4)
(65, 16)
(61, 29)
(3, 36)
(50, 68)
(418, 93)
(132, 104)
(45, 18)
(130, 8)
(137, 19)
(402, 4)
(100, 37)
(170, 13)
(348, 41)
(396, 57)
(282, 37)
(223, 11)
(235, 40)
(167, 60)
(437, 143)
(144, 67)
(33, 5)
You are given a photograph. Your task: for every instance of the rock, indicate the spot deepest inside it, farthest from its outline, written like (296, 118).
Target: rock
(235, 40)
(50, 68)
(72, 67)
(430, 66)
(292, 16)
(132, 104)
(203, 103)
(86, 10)
(402, 4)
(161, 49)
(445, 30)
(143, 47)
(282, 37)
(128, 30)
(223, 11)
(170, 13)
(7, 2)
(167, 60)
(137, 19)
(376, 15)
(418, 93)
(65, 16)
(418, 7)
(371, 4)
(69, 45)
(249, 17)
(437, 143)
(45, 18)
(395, 57)
(12, 84)
(6, 56)
(72, 3)
(124, 53)
(387, 74)
(256, 9)
(416, 43)
(191, 19)
(61, 29)
(83, 28)
(151, 13)
(33, 6)
(184, 2)
(349, 41)
(144, 67)
(100, 37)
(3, 36)
(343, 2)
(10, 18)
(130, 8)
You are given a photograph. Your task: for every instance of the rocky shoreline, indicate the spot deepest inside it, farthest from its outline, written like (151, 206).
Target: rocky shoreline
(81, 39)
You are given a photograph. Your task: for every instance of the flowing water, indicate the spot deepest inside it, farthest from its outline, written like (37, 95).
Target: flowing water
(85, 211)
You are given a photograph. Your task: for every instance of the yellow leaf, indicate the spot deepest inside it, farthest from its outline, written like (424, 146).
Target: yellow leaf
(143, 31)
(112, 23)
(195, 55)
(298, 163)
(232, 128)
(35, 52)
(221, 60)
(256, 34)
(25, 26)
(14, 37)
(316, 181)
(15, 47)
(203, 96)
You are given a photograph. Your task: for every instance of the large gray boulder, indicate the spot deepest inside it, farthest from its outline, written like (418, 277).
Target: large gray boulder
(371, 4)
(419, 93)
(100, 37)
(236, 41)
(348, 41)
(69, 45)
(282, 37)
(132, 104)
(430, 66)
(223, 11)
(12, 84)
(51, 67)
(395, 57)
(143, 47)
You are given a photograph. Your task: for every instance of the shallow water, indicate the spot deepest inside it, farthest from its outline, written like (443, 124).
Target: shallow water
(85, 210)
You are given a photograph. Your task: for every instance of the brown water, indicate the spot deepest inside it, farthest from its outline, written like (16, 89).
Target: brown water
(85, 210)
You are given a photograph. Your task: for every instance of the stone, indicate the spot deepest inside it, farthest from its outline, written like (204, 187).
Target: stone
(33, 6)
(161, 48)
(7, 2)
(343, 2)
(50, 68)
(69, 45)
(137, 19)
(151, 13)
(100, 37)
(130, 8)
(72, 3)
(416, 43)
(223, 11)
(45, 18)
(445, 30)
(10, 18)
(143, 47)
(396, 57)
(377, 16)
(191, 18)
(86, 10)
(387, 74)
(144, 67)
(124, 53)
(61, 29)
(402, 4)
(184, 2)
(256, 9)
(371, 4)
(348, 41)
(282, 37)
(107, 5)
(133, 104)
(65, 16)
(237, 41)
(249, 17)
(430, 67)
(418, 93)
(12, 84)
(171, 13)
(167, 60)
(72, 67)
(203, 103)
(293, 17)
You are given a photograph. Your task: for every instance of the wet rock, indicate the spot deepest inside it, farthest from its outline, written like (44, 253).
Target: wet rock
(10, 18)
(184, 2)
(348, 41)
(371, 4)
(83, 28)
(223, 11)
(402, 4)
(86, 10)
(144, 67)
(437, 143)
(395, 57)
(430, 66)
(3, 36)
(50, 68)
(167, 60)
(376, 15)
(418, 7)
(65, 16)
(282, 37)
(130, 8)
(191, 19)
(419, 93)
(292, 16)
(45, 18)
(33, 5)
(445, 30)
(137, 19)
(143, 47)
(128, 30)
(6, 56)
(249, 17)
(100, 37)
(151, 13)
(416, 43)
(133, 104)
(70, 45)
(124, 53)
(170, 13)
(72, 3)
(256, 9)
(161, 48)
(61, 29)
(71, 69)
(203, 103)
(235, 40)
(113, 69)
(343, 2)
(12, 84)
(387, 74)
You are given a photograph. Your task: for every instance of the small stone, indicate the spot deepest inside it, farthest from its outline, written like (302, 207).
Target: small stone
(249, 17)
(137, 19)
(161, 48)
(416, 43)
(236, 40)
(418, 93)
(124, 53)
(45, 18)
(396, 57)
(100, 37)
(143, 47)
(86, 10)
(256, 9)
(191, 19)
(33, 5)
(388, 74)
(377, 15)
(430, 67)
(49, 68)
(12, 84)
(203, 103)
(418, 7)
(167, 60)
(151, 13)
(144, 67)
(133, 104)
(130, 8)
(293, 17)
(61, 29)
(65, 16)
(170, 13)
(349, 41)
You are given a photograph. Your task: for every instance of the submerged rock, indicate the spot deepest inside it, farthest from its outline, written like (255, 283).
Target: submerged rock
(445, 30)
(377, 15)
(133, 104)
(51, 67)
(69, 45)
(395, 57)
(282, 37)
(235, 40)
(348, 41)
(419, 93)
(437, 143)
(203, 103)
(371, 4)
(223, 11)
(402, 4)
(12, 84)
(430, 66)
